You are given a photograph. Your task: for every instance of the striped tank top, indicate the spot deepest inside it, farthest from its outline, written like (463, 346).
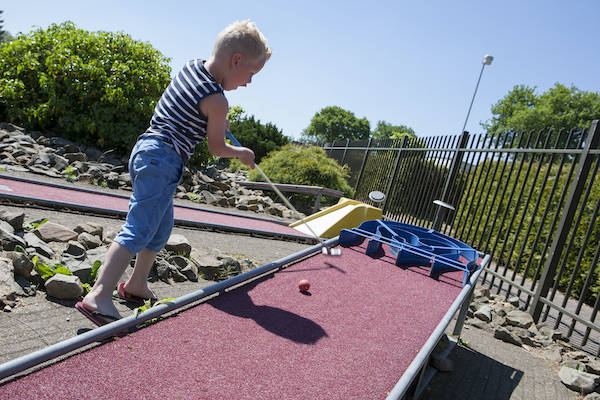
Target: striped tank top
(177, 114)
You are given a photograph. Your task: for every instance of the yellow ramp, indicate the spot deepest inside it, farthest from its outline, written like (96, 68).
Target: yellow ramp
(347, 213)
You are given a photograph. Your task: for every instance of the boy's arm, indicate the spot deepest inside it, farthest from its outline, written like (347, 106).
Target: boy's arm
(215, 108)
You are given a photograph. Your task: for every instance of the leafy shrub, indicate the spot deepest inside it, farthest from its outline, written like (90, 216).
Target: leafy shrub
(262, 139)
(95, 88)
(250, 132)
(299, 165)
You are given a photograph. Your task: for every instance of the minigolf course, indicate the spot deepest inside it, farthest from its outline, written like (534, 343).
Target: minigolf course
(328, 223)
(364, 329)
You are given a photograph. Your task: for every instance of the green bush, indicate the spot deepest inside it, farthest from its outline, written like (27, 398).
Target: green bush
(262, 139)
(96, 88)
(297, 165)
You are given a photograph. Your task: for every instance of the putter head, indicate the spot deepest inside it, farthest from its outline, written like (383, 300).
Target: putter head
(328, 251)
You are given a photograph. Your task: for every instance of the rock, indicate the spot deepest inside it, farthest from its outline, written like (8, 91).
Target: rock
(247, 200)
(592, 396)
(125, 179)
(76, 250)
(8, 287)
(59, 162)
(5, 226)
(51, 232)
(551, 354)
(502, 309)
(29, 288)
(190, 272)
(579, 381)
(39, 245)
(112, 180)
(178, 244)
(163, 270)
(89, 241)
(72, 157)
(514, 301)
(484, 313)
(482, 292)
(506, 336)
(477, 323)
(92, 229)
(21, 263)
(176, 275)
(276, 209)
(519, 318)
(9, 241)
(13, 218)
(208, 261)
(593, 366)
(95, 172)
(209, 198)
(550, 332)
(80, 268)
(67, 287)
(179, 261)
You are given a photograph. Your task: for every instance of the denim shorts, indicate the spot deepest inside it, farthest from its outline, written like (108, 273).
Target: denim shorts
(156, 170)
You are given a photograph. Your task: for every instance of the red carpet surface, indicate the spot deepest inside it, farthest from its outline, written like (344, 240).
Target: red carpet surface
(112, 202)
(351, 337)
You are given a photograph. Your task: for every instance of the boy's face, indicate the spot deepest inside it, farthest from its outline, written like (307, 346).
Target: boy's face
(241, 71)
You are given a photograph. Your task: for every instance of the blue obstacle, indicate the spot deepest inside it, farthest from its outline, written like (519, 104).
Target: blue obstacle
(413, 246)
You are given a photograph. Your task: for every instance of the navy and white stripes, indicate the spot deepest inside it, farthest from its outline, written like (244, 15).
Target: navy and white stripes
(177, 114)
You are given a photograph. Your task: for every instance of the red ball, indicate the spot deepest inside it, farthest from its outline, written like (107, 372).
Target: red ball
(304, 285)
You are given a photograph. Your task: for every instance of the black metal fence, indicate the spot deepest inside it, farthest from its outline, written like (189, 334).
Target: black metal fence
(529, 199)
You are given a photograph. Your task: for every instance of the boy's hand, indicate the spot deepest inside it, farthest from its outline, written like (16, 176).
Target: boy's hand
(246, 156)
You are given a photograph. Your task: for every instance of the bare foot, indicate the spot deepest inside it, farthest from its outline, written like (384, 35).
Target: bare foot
(96, 303)
(139, 289)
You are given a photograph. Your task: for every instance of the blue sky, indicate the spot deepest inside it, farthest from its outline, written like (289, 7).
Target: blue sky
(414, 63)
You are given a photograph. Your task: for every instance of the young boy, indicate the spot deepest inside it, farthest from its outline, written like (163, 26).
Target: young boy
(192, 108)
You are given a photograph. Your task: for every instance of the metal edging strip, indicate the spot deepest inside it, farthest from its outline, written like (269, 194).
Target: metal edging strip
(421, 358)
(31, 360)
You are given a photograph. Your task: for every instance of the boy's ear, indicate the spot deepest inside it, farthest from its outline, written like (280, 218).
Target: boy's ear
(236, 59)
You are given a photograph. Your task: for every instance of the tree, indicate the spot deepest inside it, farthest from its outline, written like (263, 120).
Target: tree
(261, 138)
(5, 36)
(96, 88)
(250, 132)
(335, 123)
(385, 130)
(560, 107)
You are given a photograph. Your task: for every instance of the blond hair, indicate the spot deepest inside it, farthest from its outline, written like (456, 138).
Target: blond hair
(242, 37)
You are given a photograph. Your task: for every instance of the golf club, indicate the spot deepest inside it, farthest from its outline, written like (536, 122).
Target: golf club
(325, 249)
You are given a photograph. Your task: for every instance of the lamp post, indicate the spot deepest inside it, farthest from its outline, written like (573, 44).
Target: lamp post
(487, 60)
(442, 207)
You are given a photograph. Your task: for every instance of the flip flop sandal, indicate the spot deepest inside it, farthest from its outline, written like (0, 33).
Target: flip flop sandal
(96, 317)
(123, 295)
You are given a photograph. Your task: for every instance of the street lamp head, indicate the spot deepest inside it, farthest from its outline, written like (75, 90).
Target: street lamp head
(487, 59)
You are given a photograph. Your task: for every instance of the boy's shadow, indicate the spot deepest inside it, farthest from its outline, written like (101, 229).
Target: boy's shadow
(275, 320)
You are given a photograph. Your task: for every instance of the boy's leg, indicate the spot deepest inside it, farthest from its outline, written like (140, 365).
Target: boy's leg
(137, 284)
(100, 297)
(156, 170)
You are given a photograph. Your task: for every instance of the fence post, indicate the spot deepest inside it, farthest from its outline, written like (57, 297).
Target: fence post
(452, 174)
(362, 167)
(566, 219)
(393, 177)
(345, 150)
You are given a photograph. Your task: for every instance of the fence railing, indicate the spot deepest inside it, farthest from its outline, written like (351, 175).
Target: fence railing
(530, 199)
